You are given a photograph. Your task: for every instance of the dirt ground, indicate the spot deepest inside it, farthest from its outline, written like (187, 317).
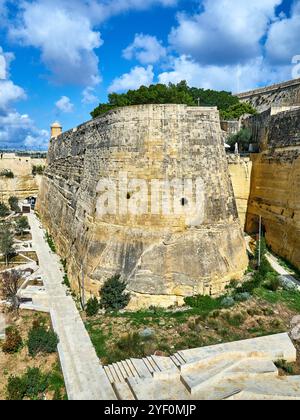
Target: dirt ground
(17, 364)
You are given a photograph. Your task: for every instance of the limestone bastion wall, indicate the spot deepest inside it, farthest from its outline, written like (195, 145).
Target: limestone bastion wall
(162, 257)
(275, 184)
(24, 184)
(281, 95)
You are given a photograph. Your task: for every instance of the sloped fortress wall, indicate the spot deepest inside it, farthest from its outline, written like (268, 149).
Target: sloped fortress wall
(162, 256)
(285, 94)
(275, 184)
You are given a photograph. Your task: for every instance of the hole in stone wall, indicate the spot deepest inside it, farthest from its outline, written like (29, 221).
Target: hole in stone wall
(184, 202)
(128, 196)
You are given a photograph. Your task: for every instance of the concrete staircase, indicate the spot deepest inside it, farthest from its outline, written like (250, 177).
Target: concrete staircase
(216, 373)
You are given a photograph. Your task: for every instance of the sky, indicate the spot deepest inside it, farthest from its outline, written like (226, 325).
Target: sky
(60, 58)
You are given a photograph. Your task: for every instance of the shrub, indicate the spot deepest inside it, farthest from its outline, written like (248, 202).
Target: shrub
(22, 224)
(92, 307)
(66, 281)
(272, 282)
(41, 340)
(14, 204)
(13, 341)
(7, 173)
(113, 295)
(38, 170)
(204, 303)
(4, 210)
(31, 385)
(50, 242)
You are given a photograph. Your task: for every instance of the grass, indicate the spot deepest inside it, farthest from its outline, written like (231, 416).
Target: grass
(50, 242)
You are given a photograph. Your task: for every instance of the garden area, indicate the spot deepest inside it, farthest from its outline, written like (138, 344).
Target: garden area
(29, 363)
(260, 305)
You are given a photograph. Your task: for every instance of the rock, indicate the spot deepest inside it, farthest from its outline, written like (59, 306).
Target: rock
(287, 284)
(242, 297)
(295, 321)
(227, 302)
(295, 333)
(2, 326)
(148, 332)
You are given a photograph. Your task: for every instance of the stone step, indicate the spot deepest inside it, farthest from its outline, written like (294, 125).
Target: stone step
(153, 364)
(179, 358)
(141, 368)
(123, 391)
(213, 375)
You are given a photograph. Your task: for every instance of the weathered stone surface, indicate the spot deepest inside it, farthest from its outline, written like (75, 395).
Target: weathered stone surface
(240, 172)
(2, 325)
(24, 184)
(275, 186)
(295, 333)
(295, 321)
(280, 95)
(162, 258)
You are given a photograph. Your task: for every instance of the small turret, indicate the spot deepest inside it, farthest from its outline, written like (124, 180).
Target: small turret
(56, 129)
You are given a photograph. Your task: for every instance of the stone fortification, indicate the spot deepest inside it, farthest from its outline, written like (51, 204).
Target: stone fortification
(275, 185)
(162, 257)
(280, 95)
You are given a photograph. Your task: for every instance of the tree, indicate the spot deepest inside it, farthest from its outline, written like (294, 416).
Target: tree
(6, 242)
(4, 210)
(229, 105)
(14, 204)
(9, 286)
(243, 138)
(113, 296)
(22, 225)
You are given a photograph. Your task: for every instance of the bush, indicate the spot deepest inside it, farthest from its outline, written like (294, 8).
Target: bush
(92, 307)
(113, 296)
(4, 210)
(31, 385)
(14, 204)
(22, 224)
(7, 173)
(272, 282)
(66, 281)
(41, 340)
(13, 341)
(38, 170)
(204, 303)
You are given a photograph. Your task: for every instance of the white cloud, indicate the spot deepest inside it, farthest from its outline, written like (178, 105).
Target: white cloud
(88, 96)
(18, 130)
(283, 38)
(64, 104)
(224, 31)
(234, 78)
(9, 93)
(137, 77)
(5, 60)
(65, 33)
(65, 37)
(146, 49)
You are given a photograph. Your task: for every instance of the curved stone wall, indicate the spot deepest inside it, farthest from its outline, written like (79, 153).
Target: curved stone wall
(162, 256)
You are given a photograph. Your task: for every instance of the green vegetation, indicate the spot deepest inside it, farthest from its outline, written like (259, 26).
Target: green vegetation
(34, 384)
(4, 210)
(14, 204)
(13, 340)
(7, 173)
(243, 138)
(50, 242)
(92, 307)
(38, 170)
(41, 340)
(6, 242)
(113, 295)
(22, 225)
(229, 105)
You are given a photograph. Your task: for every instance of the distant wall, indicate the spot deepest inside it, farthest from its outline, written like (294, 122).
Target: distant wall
(282, 94)
(275, 183)
(24, 183)
(240, 169)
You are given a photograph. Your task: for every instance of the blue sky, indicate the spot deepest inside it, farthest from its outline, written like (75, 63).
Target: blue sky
(59, 58)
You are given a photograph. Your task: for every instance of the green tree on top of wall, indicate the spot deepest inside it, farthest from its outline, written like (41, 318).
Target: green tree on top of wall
(228, 104)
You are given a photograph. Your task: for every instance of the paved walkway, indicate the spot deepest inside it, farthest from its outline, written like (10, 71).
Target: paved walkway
(85, 378)
(281, 270)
